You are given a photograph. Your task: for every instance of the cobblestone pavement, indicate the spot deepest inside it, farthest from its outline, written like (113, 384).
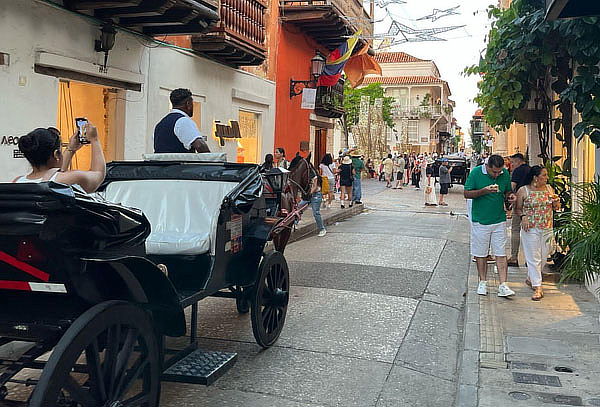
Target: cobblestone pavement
(374, 317)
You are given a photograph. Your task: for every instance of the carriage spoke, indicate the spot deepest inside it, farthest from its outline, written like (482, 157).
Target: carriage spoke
(131, 376)
(78, 393)
(123, 357)
(92, 356)
(111, 354)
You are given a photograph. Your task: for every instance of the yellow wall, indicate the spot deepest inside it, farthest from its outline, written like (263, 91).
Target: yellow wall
(94, 103)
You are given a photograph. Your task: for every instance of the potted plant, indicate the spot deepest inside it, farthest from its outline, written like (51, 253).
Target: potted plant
(579, 234)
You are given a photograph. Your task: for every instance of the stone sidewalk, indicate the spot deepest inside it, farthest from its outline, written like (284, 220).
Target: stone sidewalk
(525, 353)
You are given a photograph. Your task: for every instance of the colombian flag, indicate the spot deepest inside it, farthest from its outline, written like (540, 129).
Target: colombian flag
(336, 61)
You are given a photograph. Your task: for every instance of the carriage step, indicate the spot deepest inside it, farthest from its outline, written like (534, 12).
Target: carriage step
(200, 367)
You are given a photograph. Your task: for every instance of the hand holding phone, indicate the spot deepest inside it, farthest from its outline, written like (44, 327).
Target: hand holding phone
(81, 123)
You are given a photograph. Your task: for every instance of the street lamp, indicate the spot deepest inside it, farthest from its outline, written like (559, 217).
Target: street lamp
(317, 63)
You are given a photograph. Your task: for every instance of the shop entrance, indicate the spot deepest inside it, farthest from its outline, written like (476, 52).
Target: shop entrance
(320, 145)
(100, 106)
(247, 149)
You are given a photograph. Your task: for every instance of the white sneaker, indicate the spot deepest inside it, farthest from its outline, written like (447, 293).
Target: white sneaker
(322, 233)
(482, 288)
(504, 291)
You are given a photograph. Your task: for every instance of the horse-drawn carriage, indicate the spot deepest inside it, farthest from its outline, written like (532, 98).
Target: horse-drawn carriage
(91, 286)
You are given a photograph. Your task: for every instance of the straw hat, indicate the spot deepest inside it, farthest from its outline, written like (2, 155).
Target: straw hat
(347, 160)
(355, 152)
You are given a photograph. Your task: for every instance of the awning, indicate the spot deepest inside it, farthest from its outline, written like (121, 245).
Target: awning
(556, 9)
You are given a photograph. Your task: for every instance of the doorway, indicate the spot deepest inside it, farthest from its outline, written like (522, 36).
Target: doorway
(320, 145)
(247, 151)
(100, 106)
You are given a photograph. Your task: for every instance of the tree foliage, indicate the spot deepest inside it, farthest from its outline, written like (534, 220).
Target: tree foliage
(352, 102)
(525, 51)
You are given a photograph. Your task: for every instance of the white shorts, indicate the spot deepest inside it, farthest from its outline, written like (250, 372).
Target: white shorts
(484, 237)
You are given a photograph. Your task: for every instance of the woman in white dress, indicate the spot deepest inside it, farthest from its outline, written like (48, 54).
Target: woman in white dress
(429, 187)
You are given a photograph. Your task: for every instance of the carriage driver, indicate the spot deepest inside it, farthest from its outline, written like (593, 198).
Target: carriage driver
(177, 132)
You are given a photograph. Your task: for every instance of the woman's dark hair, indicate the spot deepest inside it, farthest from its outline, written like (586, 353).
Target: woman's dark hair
(39, 145)
(268, 164)
(281, 150)
(535, 171)
(327, 159)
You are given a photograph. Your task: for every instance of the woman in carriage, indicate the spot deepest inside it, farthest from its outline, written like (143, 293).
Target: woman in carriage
(42, 148)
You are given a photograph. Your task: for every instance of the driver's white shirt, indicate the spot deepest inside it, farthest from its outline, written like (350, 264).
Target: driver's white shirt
(186, 130)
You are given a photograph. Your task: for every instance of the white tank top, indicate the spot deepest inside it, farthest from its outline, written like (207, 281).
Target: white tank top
(23, 179)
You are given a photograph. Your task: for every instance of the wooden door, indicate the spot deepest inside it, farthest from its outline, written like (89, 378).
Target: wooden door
(320, 146)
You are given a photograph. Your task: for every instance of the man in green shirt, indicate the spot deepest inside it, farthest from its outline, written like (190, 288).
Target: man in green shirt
(488, 185)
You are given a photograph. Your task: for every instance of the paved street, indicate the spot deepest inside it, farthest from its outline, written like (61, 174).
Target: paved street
(374, 318)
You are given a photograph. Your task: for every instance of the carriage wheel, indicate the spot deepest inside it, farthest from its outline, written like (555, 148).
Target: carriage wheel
(242, 303)
(270, 299)
(108, 357)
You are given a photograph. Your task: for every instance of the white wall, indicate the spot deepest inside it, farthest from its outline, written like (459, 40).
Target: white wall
(29, 28)
(221, 91)
(29, 100)
(425, 68)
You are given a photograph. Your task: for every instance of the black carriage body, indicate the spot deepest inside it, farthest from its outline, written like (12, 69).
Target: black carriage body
(62, 252)
(72, 265)
(242, 228)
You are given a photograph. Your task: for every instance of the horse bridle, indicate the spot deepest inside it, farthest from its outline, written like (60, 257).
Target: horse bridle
(309, 169)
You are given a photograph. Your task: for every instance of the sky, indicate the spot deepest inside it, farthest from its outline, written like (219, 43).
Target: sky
(462, 47)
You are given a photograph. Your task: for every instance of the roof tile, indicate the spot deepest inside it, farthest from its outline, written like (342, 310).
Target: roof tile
(403, 80)
(395, 57)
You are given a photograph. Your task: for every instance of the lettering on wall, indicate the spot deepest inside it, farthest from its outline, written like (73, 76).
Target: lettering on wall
(9, 141)
(224, 131)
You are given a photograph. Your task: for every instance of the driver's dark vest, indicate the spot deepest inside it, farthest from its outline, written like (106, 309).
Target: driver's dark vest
(165, 140)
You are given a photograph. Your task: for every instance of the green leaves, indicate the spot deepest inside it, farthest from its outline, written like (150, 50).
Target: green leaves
(524, 49)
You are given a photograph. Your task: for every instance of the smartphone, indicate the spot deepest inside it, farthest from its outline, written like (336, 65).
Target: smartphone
(80, 122)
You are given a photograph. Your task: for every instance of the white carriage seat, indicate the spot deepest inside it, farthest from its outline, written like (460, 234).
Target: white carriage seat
(183, 213)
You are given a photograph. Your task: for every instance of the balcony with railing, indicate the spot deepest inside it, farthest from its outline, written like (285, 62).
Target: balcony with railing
(238, 39)
(152, 17)
(421, 111)
(330, 100)
(327, 21)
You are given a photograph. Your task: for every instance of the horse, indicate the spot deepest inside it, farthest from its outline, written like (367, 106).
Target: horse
(299, 181)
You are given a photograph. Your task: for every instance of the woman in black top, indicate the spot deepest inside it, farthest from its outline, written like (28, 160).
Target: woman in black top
(346, 172)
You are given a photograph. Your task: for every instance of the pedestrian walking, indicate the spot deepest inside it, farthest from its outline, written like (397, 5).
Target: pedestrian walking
(388, 169)
(400, 165)
(488, 185)
(430, 199)
(406, 179)
(519, 177)
(445, 180)
(328, 170)
(316, 199)
(346, 172)
(370, 168)
(535, 202)
(358, 165)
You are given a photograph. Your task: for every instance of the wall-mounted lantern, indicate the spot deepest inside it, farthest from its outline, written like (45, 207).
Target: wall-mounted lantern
(317, 63)
(105, 43)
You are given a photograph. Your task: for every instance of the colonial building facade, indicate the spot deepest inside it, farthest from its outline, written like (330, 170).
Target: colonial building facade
(52, 70)
(422, 109)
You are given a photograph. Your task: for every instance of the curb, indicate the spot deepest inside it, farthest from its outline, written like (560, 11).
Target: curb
(311, 228)
(468, 369)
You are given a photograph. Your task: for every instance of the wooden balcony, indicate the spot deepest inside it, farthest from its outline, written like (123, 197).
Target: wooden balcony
(152, 17)
(327, 21)
(330, 100)
(238, 39)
